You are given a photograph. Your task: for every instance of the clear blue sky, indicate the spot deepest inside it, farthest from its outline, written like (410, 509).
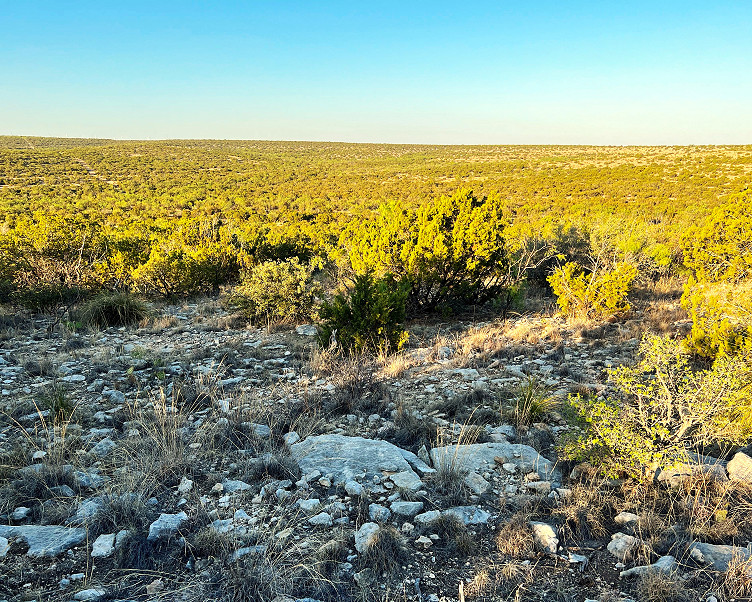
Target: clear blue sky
(500, 72)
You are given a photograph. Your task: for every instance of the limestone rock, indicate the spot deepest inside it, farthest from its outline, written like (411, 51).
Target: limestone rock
(408, 509)
(665, 564)
(719, 556)
(45, 541)
(480, 457)
(622, 546)
(366, 536)
(545, 536)
(351, 458)
(166, 526)
(470, 515)
(104, 546)
(740, 468)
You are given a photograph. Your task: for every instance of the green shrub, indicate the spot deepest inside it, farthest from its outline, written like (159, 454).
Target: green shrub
(721, 319)
(451, 252)
(46, 298)
(597, 294)
(666, 409)
(112, 309)
(276, 291)
(368, 317)
(719, 249)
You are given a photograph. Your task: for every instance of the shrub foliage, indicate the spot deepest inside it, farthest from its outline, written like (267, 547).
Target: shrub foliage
(665, 410)
(368, 316)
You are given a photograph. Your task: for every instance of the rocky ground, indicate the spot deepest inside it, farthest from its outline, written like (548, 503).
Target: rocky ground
(194, 458)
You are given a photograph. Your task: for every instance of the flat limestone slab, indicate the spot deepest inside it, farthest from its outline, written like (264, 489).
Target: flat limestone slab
(480, 457)
(352, 458)
(44, 540)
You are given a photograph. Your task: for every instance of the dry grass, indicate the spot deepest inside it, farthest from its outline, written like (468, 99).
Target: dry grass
(387, 552)
(737, 581)
(585, 512)
(659, 587)
(515, 538)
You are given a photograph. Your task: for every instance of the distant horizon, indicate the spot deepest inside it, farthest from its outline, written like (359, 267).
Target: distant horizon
(105, 138)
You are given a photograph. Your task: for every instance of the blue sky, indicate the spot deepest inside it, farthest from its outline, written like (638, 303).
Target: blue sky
(602, 72)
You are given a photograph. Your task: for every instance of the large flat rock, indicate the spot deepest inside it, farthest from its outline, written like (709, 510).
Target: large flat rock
(44, 540)
(718, 556)
(479, 457)
(354, 458)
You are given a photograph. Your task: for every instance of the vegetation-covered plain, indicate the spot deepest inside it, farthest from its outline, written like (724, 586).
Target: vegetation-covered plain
(203, 345)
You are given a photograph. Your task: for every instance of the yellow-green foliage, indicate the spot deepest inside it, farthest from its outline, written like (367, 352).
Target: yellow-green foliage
(276, 291)
(721, 318)
(665, 409)
(718, 297)
(368, 316)
(720, 249)
(451, 251)
(597, 294)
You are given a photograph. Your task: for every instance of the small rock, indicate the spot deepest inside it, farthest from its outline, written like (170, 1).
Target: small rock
(291, 438)
(166, 526)
(469, 515)
(424, 542)
(89, 594)
(408, 509)
(104, 447)
(545, 536)
(626, 518)
(185, 485)
(378, 513)
(739, 468)
(104, 546)
(366, 536)
(665, 565)
(353, 488)
(428, 518)
(407, 480)
(309, 504)
(476, 483)
(4, 547)
(20, 513)
(622, 546)
(321, 520)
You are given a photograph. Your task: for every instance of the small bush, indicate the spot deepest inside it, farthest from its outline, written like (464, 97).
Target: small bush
(276, 291)
(451, 251)
(666, 408)
(597, 294)
(515, 538)
(56, 400)
(112, 309)
(368, 316)
(46, 298)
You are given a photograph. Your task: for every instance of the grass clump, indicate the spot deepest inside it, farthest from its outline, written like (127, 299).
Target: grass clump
(386, 552)
(532, 402)
(515, 538)
(112, 309)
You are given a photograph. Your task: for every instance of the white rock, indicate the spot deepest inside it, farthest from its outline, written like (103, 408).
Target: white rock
(665, 564)
(89, 594)
(626, 518)
(104, 546)
(545, 536)
(476, 483)
(366, 536)
(740, 468)
(428, 518)
(166, 526)
(4, 547)
(185, 485)
(321, 520)
(408, 509)
(353, 488)
(622, 546)
(309, 504)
